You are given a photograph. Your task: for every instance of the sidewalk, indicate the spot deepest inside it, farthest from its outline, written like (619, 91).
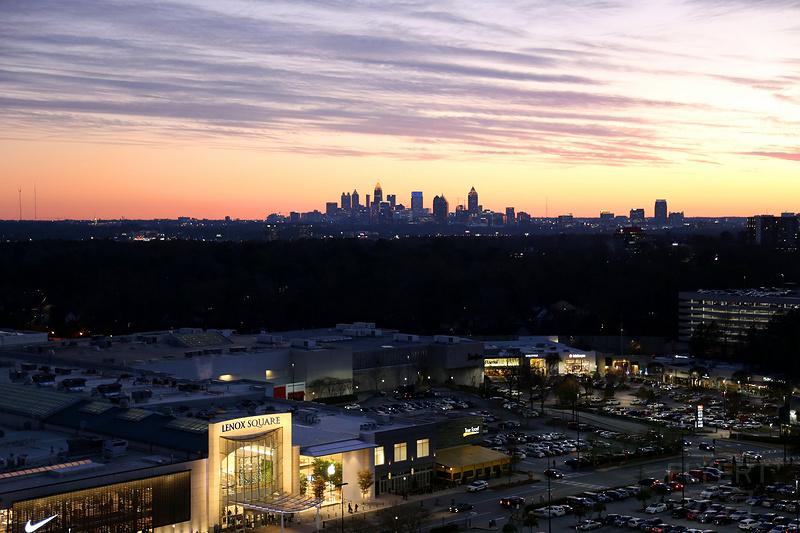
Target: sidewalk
(330, 515)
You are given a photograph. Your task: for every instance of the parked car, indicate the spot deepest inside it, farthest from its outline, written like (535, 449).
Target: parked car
(609, 519)
(748, 524)
(588, 524)
(554, 510)
(680, 512)
(656, 508)
(648, 525)
(475, 486)
(622, 521)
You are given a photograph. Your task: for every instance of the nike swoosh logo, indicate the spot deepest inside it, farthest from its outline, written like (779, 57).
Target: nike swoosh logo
(30, 528)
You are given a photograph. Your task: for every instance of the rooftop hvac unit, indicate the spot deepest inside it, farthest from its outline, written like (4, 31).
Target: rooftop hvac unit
(445, 339)
(115, 447)
(304, 343)
(403, 337)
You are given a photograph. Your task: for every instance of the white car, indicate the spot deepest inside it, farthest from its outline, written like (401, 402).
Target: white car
(475, 486)
(748, 524)
(752, 455)
(656, 508)
(555, 510)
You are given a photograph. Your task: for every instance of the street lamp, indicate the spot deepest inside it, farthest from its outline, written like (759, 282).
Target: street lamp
(683, 469)
(578, 429)
(339, 486)
(549, 508)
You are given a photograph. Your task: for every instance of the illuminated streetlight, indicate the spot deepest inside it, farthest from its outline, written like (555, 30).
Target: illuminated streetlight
(339, 486)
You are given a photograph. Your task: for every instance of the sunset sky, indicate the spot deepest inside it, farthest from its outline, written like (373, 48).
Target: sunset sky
(133, 109)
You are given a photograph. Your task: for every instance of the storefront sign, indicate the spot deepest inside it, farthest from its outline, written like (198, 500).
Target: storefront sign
(471, 431)
(251, 423)
(577, 355)
(699, 416)
(30, 528)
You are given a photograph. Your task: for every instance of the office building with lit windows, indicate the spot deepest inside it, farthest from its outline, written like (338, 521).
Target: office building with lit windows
(734, 312)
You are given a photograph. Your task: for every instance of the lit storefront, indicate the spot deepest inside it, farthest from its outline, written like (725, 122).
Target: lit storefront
(578, 363)
(250, 461)
(466, 463)
(506, 358)
(138, 506)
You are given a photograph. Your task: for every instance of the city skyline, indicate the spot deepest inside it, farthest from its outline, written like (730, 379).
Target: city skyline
(126, 109)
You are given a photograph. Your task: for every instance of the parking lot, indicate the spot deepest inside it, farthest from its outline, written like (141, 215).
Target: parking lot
(706, 515)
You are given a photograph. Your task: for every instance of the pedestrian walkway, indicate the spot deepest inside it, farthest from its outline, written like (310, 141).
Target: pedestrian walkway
(330, 515)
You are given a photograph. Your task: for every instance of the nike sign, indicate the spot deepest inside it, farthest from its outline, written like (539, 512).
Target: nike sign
(30, 528)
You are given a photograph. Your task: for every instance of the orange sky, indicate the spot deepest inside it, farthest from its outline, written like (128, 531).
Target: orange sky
(242, 109)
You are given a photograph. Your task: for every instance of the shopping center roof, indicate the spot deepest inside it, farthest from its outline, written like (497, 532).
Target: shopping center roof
(461, 456)
(335, 447)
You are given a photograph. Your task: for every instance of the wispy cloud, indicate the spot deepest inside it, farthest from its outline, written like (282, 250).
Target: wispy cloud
(582, 82)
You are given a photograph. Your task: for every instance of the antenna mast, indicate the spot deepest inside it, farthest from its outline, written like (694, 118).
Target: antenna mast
(20, 204)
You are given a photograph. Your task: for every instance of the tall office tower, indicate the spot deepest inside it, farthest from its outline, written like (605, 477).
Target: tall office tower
(472, 202)
(775, 232)
(440, 208)
(676, 218)
(392, 199)
(378, 196)
(637, 216)
(330, 208)
(510, 216)
(354, 199)
(367, 204)
(660, 213)
(346, 205)
(416, 203)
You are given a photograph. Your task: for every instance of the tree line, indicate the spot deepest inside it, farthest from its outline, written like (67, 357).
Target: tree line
(427, 285)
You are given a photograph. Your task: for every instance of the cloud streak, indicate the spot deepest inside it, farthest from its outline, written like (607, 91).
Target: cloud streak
(571, 84)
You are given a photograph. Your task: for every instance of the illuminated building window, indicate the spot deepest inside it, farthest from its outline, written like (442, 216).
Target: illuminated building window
(400, 452)
(423, 447)
(379, 457)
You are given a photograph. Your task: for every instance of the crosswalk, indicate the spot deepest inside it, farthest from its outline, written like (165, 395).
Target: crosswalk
(582, 485)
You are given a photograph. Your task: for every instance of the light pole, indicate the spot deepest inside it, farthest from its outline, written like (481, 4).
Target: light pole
(339, 486)
(578, 429)
(783, 432)
(549, 508)
(683, 469)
